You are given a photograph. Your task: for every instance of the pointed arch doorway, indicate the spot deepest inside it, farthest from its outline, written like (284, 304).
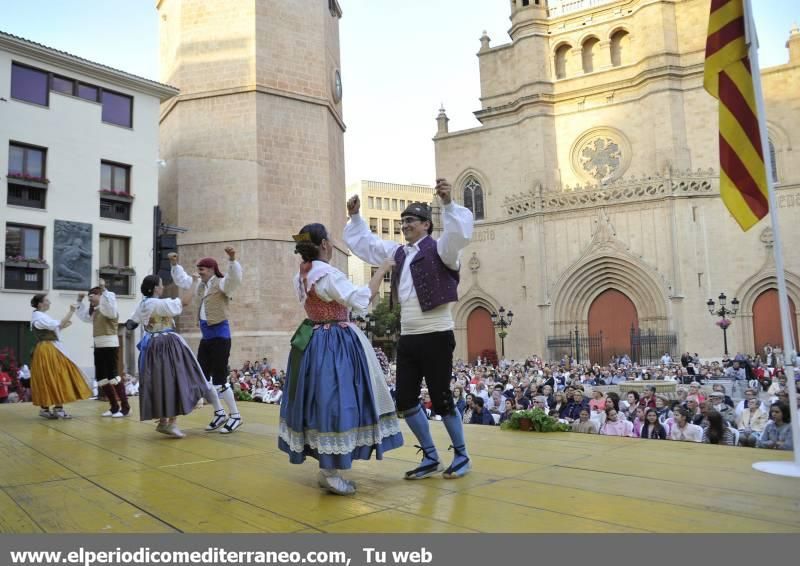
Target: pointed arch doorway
(767, 320)
(613, 314)
(480, 333)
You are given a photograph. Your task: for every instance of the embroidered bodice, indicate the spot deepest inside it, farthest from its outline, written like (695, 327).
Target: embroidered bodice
(319, 310)
(159, 323)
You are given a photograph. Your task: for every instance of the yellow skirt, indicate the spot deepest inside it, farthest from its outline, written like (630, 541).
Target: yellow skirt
(55, 379)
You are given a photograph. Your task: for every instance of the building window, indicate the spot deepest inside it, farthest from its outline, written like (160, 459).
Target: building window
(386, 204)
(385, 227)
(115, 177)
(24, 265)
(774, 160)
(387, 277)
(372, 202)
(394, 204)
(88, 92)
(62, 85)
(473, 197)
(587, 54)
(379, 203)
(619, 43)
(115, 195)
(402, 205)
(117, 109)
(29, 84)
(373, 225)
(561, 61)
(115, 266)
(398, 227)
(27, 183)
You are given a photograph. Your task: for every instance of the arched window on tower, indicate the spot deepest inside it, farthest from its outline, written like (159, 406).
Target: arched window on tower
(587, 54)
(473, 197)
(774, 160)
(561, 61)
(619, 44)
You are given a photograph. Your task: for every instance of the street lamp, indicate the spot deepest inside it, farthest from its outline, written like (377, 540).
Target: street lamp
(367, 325)
(502, 320)
(722, 312)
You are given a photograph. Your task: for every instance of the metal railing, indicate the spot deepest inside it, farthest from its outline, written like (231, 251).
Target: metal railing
(647, 346)
(561, 8)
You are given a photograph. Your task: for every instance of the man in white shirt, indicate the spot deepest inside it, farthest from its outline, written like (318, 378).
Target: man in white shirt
(102, 313)
(425, 283)
(214, 292)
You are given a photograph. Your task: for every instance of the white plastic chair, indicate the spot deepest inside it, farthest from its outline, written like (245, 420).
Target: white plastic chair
(735, 435)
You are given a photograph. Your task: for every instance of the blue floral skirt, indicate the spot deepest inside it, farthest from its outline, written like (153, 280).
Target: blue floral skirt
(329, 412)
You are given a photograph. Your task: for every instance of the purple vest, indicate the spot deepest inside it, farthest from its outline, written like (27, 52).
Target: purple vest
(434, 282)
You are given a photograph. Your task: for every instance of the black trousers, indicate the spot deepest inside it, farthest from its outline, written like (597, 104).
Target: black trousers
(429, 356)
(105, 364)
(213, 355)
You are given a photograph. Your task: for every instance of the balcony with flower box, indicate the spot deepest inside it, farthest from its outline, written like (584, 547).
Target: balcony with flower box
(24, 273)
(27, 190)
(115, 204)
(119, 279)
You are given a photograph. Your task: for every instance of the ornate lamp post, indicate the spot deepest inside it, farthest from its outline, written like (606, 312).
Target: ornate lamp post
(367, 324)
(722, 312)
(502, 320)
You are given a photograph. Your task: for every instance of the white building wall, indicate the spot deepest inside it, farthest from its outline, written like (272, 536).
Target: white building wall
(77, 140)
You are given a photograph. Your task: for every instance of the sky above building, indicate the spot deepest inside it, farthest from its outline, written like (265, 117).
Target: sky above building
(400, 62)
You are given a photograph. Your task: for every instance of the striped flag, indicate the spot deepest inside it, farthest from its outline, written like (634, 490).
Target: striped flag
(743, 177)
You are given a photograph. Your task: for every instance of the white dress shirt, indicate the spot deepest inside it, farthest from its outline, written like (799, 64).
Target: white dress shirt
(457, 224)
(108, 308)
(227, 283)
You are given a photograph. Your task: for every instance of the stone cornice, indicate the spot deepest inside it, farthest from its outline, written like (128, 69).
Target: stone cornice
(169, 106)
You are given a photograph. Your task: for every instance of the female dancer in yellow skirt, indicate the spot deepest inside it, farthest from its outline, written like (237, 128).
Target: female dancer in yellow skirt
(55, 379)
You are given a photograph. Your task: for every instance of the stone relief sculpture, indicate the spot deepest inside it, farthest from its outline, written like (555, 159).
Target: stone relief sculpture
(72, 255)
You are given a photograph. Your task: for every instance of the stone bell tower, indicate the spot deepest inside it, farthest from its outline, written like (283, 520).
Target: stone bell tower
(253, 148)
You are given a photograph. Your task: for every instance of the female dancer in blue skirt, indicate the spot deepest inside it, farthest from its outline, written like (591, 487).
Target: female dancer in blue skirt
(336, 406)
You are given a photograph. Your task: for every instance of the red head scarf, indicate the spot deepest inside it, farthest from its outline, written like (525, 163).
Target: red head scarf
(210, 263)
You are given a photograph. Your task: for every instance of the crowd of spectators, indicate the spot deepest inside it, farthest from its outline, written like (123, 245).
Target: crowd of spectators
(738, 401)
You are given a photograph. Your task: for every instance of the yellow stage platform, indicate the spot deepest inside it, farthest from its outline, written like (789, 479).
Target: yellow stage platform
(102, 475)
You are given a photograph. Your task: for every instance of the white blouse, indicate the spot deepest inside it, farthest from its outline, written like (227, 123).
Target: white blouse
(158, 307)
(41, 321)
(330, 284)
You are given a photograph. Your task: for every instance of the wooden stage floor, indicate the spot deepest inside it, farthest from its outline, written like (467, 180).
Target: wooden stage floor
(101, 475)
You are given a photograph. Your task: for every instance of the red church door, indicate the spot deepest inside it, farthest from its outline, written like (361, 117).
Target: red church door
(613, 314)
(480, 333)
(767, 320)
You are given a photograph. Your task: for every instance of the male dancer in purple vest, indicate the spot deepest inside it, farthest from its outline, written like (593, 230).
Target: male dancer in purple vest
(425, 283)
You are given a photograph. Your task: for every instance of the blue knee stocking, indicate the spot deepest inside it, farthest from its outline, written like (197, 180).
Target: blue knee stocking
(455, 428)
(418, 423)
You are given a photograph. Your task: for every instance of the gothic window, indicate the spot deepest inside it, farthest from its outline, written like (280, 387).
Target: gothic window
(619, 43)
(587, 54)
(773, 159)
(561, 61)
(473, 197)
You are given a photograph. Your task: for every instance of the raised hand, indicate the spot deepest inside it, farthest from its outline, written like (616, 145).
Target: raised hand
(102, 284)
(231, 253)
(443, 190)
(81, 296)
(353, 205)
(173, 258)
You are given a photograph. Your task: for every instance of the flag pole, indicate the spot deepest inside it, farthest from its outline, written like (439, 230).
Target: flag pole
(783, 468)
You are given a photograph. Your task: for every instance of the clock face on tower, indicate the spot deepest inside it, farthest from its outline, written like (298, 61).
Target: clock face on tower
(337, 86)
